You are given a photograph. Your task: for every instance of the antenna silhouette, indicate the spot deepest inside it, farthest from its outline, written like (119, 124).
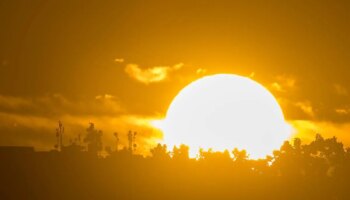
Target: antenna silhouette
(59, 136)
(132, 139)
(117, 140)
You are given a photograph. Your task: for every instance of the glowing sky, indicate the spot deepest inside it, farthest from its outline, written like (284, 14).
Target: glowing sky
(120, 63)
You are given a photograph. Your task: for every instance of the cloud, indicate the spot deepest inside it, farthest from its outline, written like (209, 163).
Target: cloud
(252, 75)
(56, 104)
(151, 75)
(32, 121)
(283, 83)
(306, 107)
(342, 111)
(277, 87)
(307, 129)
(340, 90)
(201, 71)
(13, 102)
(119, 60)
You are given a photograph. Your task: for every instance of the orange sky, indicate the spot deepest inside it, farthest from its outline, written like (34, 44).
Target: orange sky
(120, 63)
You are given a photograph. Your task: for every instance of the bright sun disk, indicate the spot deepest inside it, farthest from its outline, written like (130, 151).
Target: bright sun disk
(225, 111)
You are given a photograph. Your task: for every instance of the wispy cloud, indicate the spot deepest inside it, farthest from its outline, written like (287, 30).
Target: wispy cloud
(252, 75)
(57, 104)
(283, 83)
(151, 75)
(201, 71)
(119, 60)
(342, 111)
(277, 87)
(306, 107)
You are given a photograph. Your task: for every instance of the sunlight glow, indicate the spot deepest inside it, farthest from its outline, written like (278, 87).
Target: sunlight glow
(223, 112)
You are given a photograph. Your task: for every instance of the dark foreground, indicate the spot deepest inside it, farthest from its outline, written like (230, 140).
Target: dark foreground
(319, 170)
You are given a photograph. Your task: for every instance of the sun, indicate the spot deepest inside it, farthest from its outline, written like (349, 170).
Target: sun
(226, 111)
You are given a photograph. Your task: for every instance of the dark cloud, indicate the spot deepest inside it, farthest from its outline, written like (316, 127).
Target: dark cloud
(56, 105)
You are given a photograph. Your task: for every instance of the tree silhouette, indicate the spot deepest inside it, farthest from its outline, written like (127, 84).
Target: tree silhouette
(93, 139)
(298, 170)
(160, 152)
(181, 152)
